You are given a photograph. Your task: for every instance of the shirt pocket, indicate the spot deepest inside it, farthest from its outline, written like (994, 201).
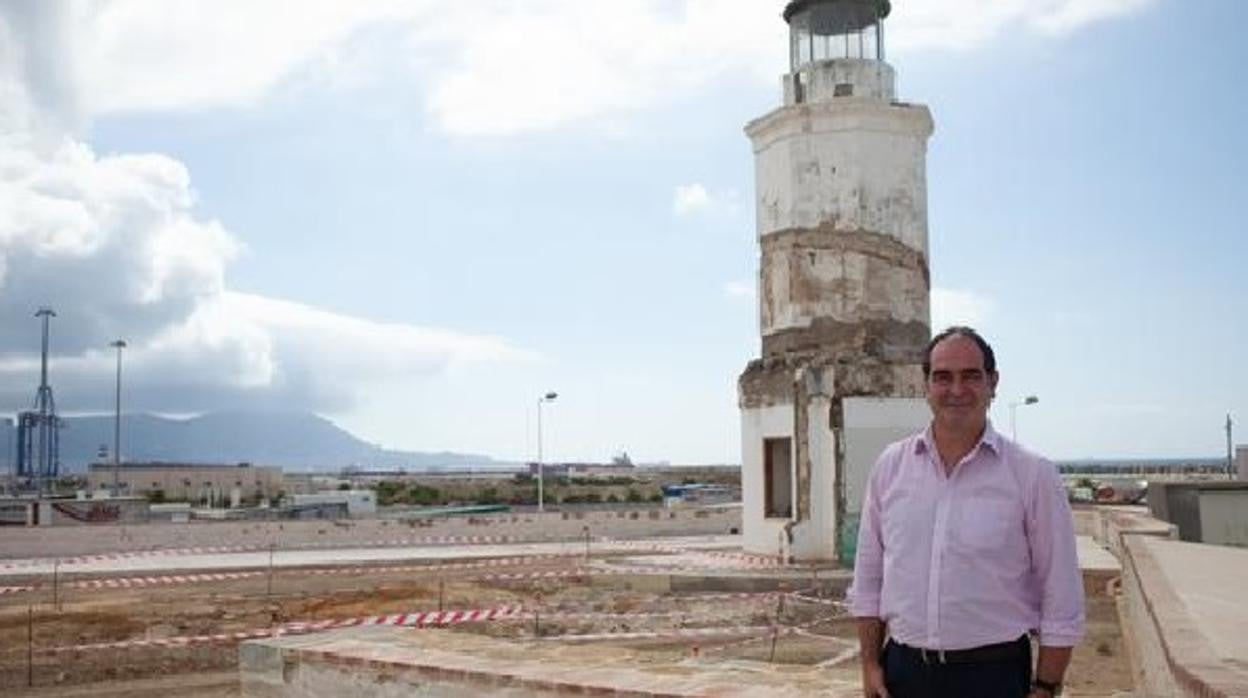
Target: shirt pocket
(988, 524)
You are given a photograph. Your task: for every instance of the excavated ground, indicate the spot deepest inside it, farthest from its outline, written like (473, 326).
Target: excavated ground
(30, 626)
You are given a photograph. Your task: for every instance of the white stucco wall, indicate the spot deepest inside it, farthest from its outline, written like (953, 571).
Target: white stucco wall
(1241, 462)
(359, 503)
(1224, 517)
(871, 424)
(869, 79)
(761, 535)
(855, 164)
(815, 538)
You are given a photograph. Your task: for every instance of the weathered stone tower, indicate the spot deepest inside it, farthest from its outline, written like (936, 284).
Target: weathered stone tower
(843, 286)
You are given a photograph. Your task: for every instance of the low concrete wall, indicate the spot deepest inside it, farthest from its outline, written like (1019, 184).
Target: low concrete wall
(1085, 519)
(381, 662)
(532, 527)
(1111, 524)
(1171, 656)
(305, 668)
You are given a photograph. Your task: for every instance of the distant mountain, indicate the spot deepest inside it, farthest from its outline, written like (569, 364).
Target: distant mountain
(293, 440)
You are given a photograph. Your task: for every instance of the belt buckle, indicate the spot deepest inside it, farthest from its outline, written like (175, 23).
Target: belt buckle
(939, 656)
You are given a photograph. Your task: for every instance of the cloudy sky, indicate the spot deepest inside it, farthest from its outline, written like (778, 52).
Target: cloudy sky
(416, 216)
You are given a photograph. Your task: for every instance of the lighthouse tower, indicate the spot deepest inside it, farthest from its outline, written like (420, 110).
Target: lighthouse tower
(843, 284)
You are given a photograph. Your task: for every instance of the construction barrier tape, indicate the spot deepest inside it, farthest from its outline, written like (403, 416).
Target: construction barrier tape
(422, 619)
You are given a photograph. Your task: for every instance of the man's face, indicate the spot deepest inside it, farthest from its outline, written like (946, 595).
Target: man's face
(959, 390)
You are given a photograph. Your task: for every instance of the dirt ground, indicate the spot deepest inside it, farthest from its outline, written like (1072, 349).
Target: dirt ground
(30, 625)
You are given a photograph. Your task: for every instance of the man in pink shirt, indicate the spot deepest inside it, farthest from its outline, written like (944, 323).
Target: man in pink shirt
(966, 547)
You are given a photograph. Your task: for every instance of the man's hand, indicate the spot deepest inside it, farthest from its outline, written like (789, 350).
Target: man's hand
(873, 681)
(870, 643)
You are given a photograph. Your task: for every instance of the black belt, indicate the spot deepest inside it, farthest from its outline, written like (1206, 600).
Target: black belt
(1000, 652)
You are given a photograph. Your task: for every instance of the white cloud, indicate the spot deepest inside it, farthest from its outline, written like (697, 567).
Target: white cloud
(690, 198)
(953, 307)
(492, 67)
(562, 61)
(918, 25)
(695, 198)
(740, 290)
(210, 53)
(1069, 15)
(112, 237)
(115, 245)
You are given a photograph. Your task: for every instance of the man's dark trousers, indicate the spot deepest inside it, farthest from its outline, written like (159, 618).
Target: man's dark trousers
(907, 675)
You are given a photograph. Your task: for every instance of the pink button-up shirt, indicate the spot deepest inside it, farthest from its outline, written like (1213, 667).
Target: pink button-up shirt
(974, 558)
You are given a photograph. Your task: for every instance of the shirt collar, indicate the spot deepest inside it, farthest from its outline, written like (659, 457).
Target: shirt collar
(990, 439)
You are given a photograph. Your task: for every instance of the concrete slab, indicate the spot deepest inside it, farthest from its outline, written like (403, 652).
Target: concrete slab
(376, 662)
(1093, 557)
(1209, 581)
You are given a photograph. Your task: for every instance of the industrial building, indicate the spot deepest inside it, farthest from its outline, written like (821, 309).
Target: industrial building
(210, 485)
(600, 470)
(68, 511)
(358, 503)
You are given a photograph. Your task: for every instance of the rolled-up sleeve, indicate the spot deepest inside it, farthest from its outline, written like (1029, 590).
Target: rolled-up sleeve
(864, 592)
(1055, 561)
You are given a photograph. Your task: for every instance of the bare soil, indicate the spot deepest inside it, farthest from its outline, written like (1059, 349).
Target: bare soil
(1099, 668)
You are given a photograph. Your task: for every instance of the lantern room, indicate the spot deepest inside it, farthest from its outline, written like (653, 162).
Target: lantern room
(824, 30)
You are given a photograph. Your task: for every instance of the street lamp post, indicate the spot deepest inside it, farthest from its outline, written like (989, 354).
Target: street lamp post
(118, 345)
(1029, 400)
(541, 496)
(1230, 452)
(10, 457)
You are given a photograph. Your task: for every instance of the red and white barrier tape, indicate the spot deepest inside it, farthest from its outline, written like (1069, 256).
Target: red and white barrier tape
(395, 542)
(677, 634)
(828, 638)
(179, 579)
(258, 547)
(742, 596)
(163, 580)
(815, 600)
(420, 619)
(596, 615)
(561, 574)
(743, 559)
(502, 562)
(408, 620)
